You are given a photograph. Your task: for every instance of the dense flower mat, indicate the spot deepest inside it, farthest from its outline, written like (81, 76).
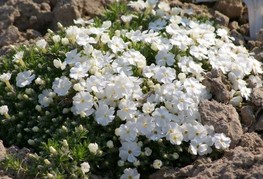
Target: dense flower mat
(118, 95)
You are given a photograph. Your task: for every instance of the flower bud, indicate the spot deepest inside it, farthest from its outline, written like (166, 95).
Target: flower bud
(47, 162)
(52, 150)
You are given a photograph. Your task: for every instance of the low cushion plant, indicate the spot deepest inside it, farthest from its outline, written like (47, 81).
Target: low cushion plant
(118, 95)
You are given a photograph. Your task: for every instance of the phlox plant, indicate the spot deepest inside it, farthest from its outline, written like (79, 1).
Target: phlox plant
(118, 95)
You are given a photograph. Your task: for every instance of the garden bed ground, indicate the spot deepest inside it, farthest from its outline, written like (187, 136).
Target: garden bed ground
(23, 21)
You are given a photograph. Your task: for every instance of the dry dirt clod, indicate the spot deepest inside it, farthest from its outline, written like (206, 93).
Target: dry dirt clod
(232, 10)
(244, 161)
(221, 18)
(216, 84)
(224, 118)
(10, 36)
(248, 115)
(239, 39)
(257, 97)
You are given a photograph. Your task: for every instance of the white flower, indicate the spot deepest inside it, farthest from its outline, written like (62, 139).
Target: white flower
(129, 151)
(176, 137)
(104, 114)
(82, 103)
(65, 41)
(24, 78)
(197, 146)
(116, 44)
(110, 144)
(128, 109)
(164, 57)
(3, 109)
(73, 57)
(5, 77)
(157, 25)
(85, 167)
(41, 43)
(56, 38)
(59, 64)
(61, 85)
(80, 70)
(165, 74)
(93, 148)
(138, 5)
(148, 107)
(46, 97)
(130, 173)
(39, 81)
(221, 141)
(71, 33)
(83, 37)
(145, 125)
(127, 18)
(18, 56)
(175, 155)
(157, 164)
(147, 151)
(128, 132)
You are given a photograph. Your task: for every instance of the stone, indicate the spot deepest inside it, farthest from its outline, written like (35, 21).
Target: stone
(248, 115)
(7, 16)
(233, 25)
(257, 97)
(244, 161)
(221, 18)
(232, 10)
(10, 36)
(253, 142)
(244, 29)
(32, 16)
(217, 85)
(66, 11)
(258, 53)
(224, 118)
(259, 124)
(239, 39)
(251, 44)
(175, 3)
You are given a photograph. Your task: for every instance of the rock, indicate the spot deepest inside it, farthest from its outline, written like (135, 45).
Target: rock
(253, 142)
(258, 53)
(244, 29)
(257, 97)
(239, 39)
(259, 124)
(244, 161)
(224, 118)
(176, 3)
(248, 115)
(7, 17)
(216, 84)
(66, 11)
(251, 44)
(2, 151)
(232, 10)
(10, 36)
(233, 25)
(32, 16)
(221, 18)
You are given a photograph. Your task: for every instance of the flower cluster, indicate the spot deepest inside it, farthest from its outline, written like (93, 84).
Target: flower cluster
(138, 80)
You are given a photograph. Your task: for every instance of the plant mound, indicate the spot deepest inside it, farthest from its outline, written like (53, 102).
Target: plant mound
(119, 95)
